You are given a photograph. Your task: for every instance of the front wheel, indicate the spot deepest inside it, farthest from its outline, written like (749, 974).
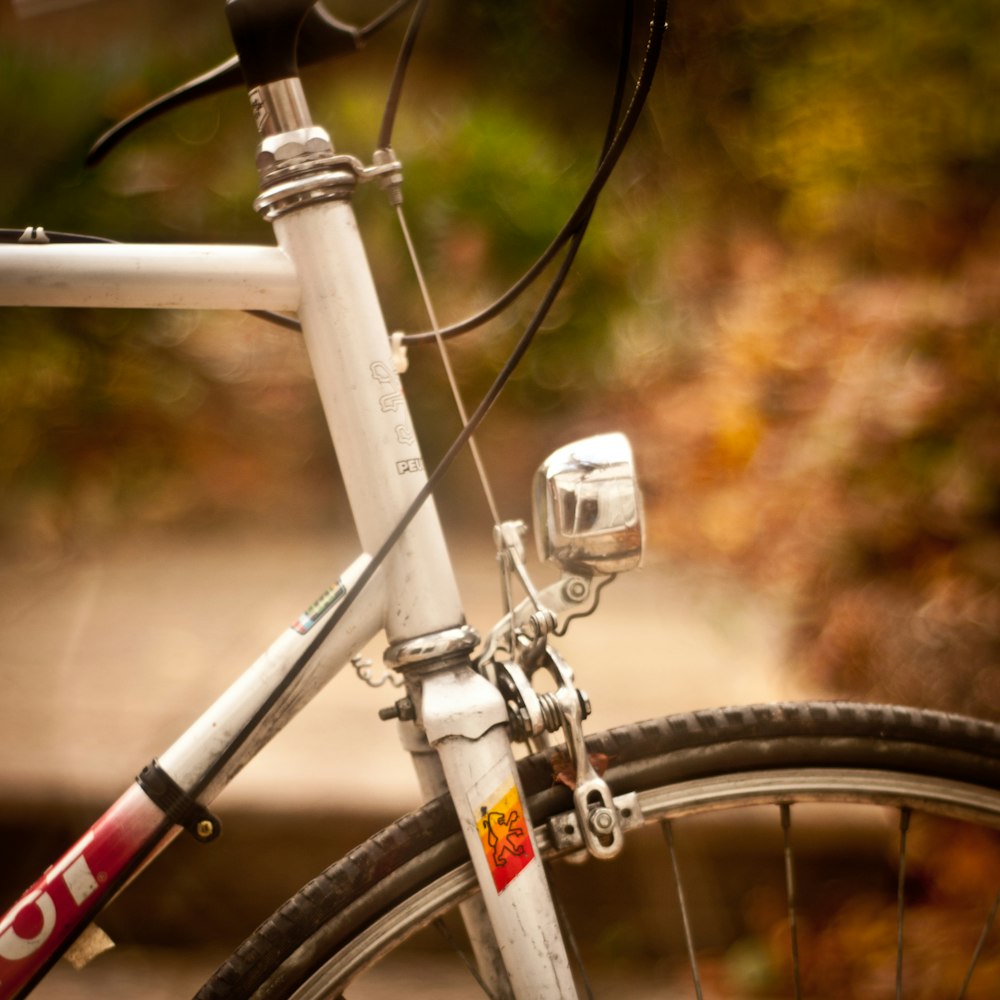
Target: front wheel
(818, 849)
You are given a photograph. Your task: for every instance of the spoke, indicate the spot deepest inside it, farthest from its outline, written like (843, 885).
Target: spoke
(442, 928)
(904, 826)
(793, 929)
(987, 927)
(570, 938)
(668, 832)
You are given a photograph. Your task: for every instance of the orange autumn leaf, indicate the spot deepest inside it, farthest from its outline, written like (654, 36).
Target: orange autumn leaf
(564, 773)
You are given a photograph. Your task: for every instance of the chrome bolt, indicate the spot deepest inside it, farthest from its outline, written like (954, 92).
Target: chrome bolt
(602, 821)
(404, 710)
(392, 180)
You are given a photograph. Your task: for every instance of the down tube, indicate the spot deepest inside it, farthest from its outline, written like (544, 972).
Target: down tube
(53, 912)
(193, 757)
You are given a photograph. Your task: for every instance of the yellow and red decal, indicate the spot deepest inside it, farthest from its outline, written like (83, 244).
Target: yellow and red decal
(503, 831)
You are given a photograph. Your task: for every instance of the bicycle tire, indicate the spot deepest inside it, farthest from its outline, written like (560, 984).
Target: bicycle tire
(395, 883)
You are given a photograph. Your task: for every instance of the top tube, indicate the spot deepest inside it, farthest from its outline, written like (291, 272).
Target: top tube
(142, 276)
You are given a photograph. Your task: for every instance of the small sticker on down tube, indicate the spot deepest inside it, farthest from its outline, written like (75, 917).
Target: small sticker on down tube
(330, 597)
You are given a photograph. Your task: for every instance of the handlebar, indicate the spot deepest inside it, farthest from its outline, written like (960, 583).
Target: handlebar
(304, 34)
(266, 35)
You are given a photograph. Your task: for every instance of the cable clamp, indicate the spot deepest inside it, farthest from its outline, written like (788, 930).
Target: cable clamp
(177, 805)
(33, 234)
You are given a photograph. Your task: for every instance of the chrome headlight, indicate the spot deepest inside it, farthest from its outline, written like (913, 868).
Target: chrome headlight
(588, 508)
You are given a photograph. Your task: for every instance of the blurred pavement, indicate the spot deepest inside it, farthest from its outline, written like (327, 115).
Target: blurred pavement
(109, 655)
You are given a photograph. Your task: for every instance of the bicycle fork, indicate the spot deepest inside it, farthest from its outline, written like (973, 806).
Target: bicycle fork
(513, 927)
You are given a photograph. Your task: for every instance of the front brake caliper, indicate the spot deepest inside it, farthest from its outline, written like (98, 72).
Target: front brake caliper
(516, 651)
(532, 714)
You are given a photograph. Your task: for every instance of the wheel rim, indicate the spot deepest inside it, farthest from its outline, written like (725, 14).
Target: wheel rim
(777, 788)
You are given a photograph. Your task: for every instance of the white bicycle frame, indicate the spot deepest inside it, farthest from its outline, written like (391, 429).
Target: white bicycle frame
(319, 270)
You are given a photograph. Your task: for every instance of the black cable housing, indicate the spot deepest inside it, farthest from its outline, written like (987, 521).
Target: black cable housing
(399, 75)
(653, 48)
(616, 139)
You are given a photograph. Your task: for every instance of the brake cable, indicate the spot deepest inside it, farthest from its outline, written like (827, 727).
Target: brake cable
(579, 216)
(617, 136)
(385, 144)
(569, 238)
(336, 615)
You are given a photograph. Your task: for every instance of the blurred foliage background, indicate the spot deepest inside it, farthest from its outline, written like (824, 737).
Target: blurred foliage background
(789, 295)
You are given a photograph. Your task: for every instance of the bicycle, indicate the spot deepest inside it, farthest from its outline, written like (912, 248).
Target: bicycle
(467, 699)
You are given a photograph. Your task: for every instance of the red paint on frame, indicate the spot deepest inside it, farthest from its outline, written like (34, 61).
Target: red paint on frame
(71, 892)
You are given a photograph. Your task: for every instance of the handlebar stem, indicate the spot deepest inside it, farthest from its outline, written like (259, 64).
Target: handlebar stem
(266, 34)
(280, 107)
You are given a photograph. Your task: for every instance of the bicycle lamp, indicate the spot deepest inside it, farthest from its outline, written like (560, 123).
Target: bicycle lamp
(588, 508)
